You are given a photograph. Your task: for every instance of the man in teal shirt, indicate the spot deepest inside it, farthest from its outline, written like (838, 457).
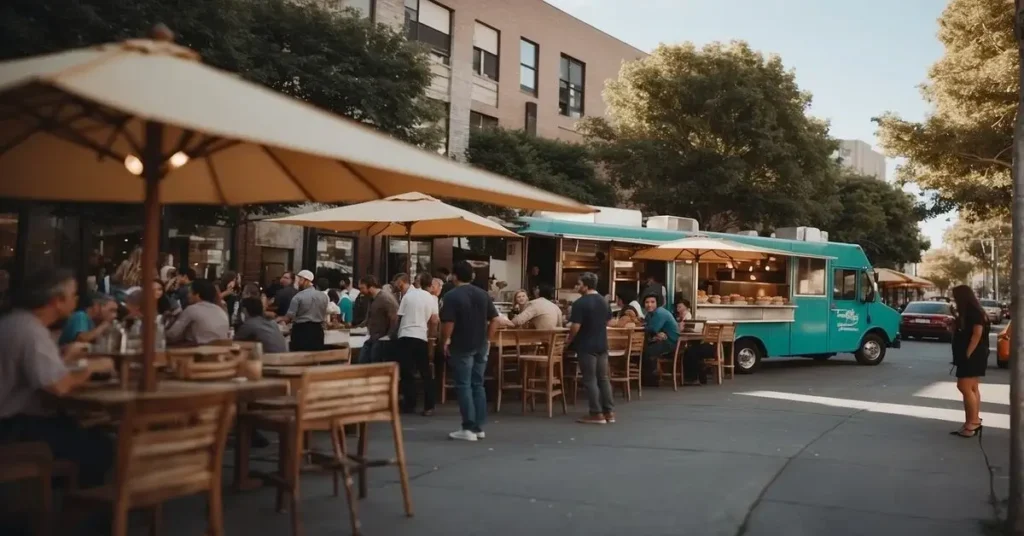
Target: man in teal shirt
(91, 321)
(662, 332)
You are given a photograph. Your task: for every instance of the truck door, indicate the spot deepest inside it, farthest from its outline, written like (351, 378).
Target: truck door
(848, 316)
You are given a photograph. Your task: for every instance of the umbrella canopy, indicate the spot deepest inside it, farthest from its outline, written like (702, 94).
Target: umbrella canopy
(409, 214)
(892, 278)
(703, 248)
(146, 121)
(75, 125)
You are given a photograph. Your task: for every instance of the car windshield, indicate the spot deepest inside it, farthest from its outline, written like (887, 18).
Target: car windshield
(928, 308)
(989, 303)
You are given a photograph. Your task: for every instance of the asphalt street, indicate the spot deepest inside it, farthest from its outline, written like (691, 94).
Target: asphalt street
(801, 448)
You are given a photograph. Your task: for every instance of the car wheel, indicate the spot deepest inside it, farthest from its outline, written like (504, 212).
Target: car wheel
(872, 350)
(747, 356)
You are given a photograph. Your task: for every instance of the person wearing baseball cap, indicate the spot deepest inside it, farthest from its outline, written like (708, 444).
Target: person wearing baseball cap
(307, 312)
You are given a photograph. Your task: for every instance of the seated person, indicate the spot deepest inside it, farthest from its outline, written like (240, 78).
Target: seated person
(91, 321)
(31, 365)
(541, 313)
(694, 371)
(630, 311)
(662, 332)
(683, 314)
(203, 321)
(257, 327)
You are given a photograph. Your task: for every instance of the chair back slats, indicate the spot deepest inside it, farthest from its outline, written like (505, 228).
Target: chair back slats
(620, 341)
(341, 355)
(712, 332)
(221, 369)
(348, 393)
(172, 446)
(727, 334)
(557, 345)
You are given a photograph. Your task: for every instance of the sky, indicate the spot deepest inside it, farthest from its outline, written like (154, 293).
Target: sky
(858, 59)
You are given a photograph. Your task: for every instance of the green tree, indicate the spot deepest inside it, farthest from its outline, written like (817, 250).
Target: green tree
(973, 239)
(946, 268)
(553, 165)
(962, 150)
(881, 218)
(719, 134)
(330, 58)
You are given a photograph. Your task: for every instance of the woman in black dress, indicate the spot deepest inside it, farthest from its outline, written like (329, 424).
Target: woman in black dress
(970, 355)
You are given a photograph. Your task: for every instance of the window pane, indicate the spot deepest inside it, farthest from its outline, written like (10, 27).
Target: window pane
(362, 6)
(440, 42)
(811, 277)
(563, 71)
(490, 65)
(867, 286)
(477, 60)
(527, 53)
(335, 258)
(844, 285)
(563, 99)
(576, 74)
(527, 78)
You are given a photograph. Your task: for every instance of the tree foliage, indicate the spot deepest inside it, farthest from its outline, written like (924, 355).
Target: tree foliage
(962, 151)
(330, 58)
(946, 268)
(553, 165)
(973, 240)
(719, 134)
(880, 217)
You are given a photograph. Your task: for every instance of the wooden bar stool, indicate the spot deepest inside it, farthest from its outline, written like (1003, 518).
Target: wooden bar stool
(542, 372)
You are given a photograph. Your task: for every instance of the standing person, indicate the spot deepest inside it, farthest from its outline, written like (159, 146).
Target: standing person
(346, 302)
(31, 363)
(662, 332)
(203, 321)
(588, 335)
(91, 321)
(185, 279)
(307, 311)
(469, 321)
(417, 321)
(970, 355)
(436, 285)
(283, 297)
(446, 277)
(381, 319)
(228, 288)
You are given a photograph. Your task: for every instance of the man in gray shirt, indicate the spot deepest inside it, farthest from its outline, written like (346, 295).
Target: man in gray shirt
(257, 327)
(31, 363)
(381, 319)
(307, 311)
(204, 321)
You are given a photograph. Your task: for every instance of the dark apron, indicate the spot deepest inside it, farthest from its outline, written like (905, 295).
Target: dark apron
(307, 337)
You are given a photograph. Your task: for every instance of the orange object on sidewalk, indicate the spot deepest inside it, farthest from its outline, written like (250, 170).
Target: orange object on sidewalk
(1003, 347)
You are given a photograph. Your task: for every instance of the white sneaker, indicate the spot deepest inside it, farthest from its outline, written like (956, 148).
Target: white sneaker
(481, 435)
(463, 435)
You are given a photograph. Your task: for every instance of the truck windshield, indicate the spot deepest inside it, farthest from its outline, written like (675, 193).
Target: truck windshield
(928, 308)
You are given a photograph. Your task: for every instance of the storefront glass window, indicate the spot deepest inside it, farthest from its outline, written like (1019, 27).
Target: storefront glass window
(684, 284)
(397, 254)
(8, 243)
(335, 258)
(207, 250)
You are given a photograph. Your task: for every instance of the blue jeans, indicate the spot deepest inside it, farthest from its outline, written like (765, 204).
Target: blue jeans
(468, 369)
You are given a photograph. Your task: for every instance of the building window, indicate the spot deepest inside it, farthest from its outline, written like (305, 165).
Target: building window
(485, 51)
(431, 24)
(364, 7)
(207, 249)
(572, 76)
(844, 285)
(531, 118)
(810, 277)
(479, 121)
(528, 59)
(335, 257)
(398, 252)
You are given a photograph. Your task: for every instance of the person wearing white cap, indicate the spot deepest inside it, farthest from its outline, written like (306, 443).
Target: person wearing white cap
(307, 312)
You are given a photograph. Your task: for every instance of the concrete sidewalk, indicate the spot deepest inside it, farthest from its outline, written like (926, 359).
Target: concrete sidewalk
(705, 460)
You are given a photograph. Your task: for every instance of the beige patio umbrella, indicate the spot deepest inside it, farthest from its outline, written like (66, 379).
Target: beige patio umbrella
(892, 278)
(407, 215)
(146, 121)
(704, 248)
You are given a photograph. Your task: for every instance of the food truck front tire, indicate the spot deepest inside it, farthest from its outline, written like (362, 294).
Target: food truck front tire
(747, 355)
(872, 350)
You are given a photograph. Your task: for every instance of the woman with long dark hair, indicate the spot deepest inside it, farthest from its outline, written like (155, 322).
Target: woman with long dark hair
(970, 356)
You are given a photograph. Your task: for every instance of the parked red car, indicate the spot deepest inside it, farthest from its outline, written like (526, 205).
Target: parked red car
(928, 319)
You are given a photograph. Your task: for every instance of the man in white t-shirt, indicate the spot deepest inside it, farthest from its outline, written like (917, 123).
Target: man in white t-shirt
(417, 321)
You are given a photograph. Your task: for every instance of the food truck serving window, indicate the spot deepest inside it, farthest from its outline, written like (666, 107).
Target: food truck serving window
(810, 277)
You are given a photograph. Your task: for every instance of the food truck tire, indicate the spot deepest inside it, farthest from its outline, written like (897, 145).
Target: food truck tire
(872, 349)
(747, 356)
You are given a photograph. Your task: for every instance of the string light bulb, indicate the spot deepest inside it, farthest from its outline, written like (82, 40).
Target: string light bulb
(133, 164)
(178, 159)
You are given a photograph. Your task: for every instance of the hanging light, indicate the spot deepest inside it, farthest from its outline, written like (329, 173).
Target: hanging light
(178, 159)
(753, 277)
(133, 164)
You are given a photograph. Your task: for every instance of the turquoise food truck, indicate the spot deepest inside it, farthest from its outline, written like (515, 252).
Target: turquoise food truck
(805, 298)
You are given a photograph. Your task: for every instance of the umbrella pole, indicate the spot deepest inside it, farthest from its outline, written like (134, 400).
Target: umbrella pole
(152, 162)
(408, 250)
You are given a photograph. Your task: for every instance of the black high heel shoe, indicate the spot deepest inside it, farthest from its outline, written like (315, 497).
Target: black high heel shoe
(968, 433)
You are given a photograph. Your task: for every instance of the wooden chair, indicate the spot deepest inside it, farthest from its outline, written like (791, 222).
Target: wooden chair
(507, 365)
(636, 361)
(671, 360)
(168, 447)
(34, 461)
(552, 372)
(216, 370)
(329, 398)
(620, 351)
(719, 335)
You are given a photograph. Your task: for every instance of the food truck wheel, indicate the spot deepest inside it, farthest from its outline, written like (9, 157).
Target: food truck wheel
(872, 350)
(747, 356)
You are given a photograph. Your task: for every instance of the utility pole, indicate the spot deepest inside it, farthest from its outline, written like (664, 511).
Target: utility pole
(1015, 519)
(995, 269)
